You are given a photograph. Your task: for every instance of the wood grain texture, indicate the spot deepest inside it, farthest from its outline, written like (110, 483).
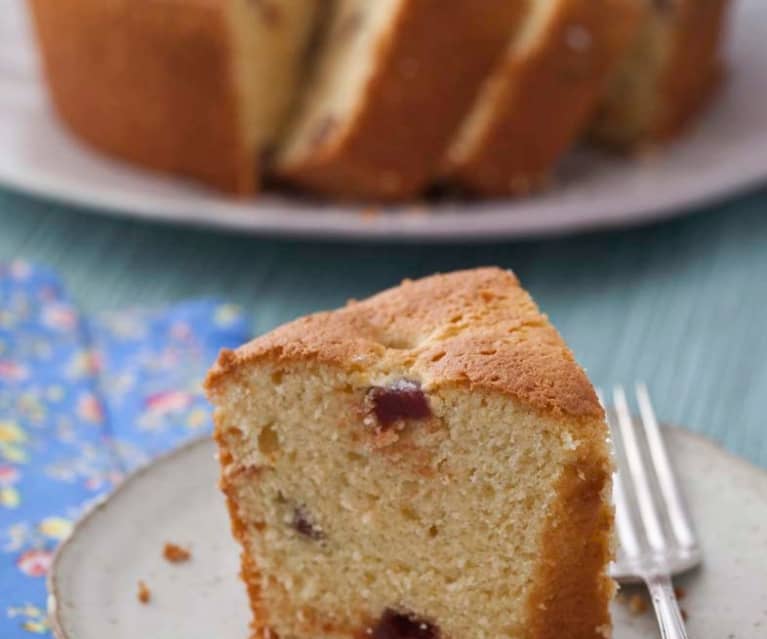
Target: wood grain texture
(682, 305)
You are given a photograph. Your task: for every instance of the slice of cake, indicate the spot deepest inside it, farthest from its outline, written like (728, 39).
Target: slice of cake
(430, 463)
(668, 75)
(541, 94)
(197, 88)
(393, 81)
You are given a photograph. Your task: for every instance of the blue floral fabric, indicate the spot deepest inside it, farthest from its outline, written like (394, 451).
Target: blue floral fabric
(83, 401)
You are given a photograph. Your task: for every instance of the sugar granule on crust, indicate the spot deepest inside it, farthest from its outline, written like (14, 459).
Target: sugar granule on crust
(144, 595)
(175, 554)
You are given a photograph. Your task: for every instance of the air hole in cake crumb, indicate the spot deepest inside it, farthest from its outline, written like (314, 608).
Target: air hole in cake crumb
(433, 531)
(355, 458)
(438, 356)
(277, 377)
(409, 514)
(397, 625)
(268, 441)
(234, 433)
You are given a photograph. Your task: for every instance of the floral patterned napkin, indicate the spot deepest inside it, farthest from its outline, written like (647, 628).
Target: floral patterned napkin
(83, 401)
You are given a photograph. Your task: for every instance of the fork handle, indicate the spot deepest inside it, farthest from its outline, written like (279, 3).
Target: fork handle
(666, 607)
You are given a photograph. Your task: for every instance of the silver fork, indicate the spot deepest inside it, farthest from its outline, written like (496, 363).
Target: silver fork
(656, 536)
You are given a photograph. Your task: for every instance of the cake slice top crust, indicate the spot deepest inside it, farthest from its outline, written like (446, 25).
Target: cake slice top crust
(477, 329)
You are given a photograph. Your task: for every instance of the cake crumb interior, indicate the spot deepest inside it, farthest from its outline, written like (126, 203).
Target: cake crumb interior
(443, 521)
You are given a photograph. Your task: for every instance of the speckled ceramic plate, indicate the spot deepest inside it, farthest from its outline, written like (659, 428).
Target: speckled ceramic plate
(725, 154)
(93, 583)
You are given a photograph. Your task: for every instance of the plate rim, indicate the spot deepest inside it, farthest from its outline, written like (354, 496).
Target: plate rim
(676, 204)
(54, 611)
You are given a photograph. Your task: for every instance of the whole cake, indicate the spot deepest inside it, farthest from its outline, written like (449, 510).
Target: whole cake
(375, 100)
(430, 463)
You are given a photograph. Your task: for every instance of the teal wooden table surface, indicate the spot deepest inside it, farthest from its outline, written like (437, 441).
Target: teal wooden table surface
(682, 305)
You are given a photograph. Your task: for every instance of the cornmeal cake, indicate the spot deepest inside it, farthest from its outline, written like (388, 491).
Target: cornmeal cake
(541, 95)
(668, 75)
(193, 87)
(393, 82)
(430, 463)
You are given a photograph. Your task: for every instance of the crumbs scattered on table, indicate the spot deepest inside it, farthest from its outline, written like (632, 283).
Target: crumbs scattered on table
(685, 616)
(176, 554)
(144, 595)
(680, 592)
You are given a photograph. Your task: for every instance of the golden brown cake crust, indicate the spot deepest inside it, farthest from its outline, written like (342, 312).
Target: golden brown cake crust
(545, 98)
(430, 69)
(572, 585)
(695, 68)
(690, 73)
(249, 573)
(150, 82)
(475, 328)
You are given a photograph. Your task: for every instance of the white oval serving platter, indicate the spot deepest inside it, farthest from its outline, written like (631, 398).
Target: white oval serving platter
(93, 581)
(725, 154)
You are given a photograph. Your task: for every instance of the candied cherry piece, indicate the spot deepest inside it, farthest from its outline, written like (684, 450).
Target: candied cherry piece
(302, 522)
(402, 400)
(398, 625)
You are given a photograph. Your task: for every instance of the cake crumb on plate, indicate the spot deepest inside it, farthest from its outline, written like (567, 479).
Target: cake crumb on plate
(175, 554)
(144, 595)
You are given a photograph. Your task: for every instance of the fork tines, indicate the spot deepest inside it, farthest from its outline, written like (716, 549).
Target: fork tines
(653, 523)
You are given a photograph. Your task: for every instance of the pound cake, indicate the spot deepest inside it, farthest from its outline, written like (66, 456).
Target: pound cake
(430, 463)
(192, 87)
(392, 83)
(541, 95)
(670, 72)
